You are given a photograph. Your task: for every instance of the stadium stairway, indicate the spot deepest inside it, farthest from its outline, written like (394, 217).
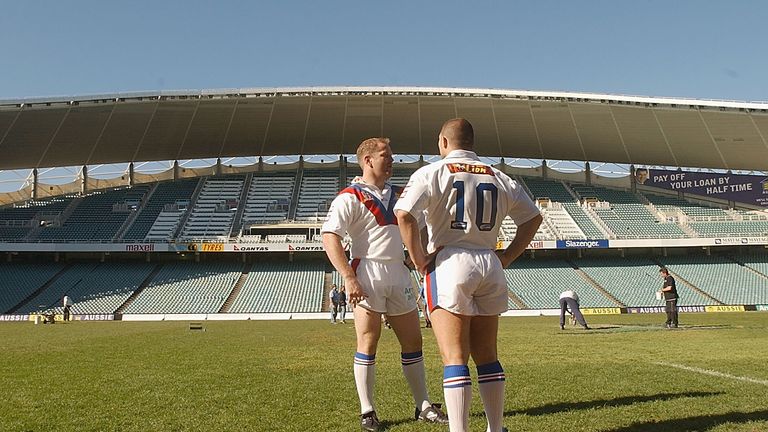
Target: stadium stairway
(37, 292)
(188, 211)
(522, 183)
(296, 191)
(592, 282)
(237, 221)
(138, 291)
(748, 267)
(516, 300)
(327, 282)
(135, 214)
(236, 289)
(693, 287)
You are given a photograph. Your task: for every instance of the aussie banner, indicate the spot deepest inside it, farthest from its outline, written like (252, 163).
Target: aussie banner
(14, 317)
(660, 309)
(748, 189)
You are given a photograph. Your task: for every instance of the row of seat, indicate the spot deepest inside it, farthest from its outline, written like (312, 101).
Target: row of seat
(186, 287)
(268, 199)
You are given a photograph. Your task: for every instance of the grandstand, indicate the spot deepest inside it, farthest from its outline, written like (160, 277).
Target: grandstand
(243, 240)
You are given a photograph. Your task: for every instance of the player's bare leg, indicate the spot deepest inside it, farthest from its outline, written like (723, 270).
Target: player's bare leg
(490, 375)
(368, 330)
(452, 334)
(408, 333)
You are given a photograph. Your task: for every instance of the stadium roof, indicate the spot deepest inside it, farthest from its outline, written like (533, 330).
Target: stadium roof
(193, 124)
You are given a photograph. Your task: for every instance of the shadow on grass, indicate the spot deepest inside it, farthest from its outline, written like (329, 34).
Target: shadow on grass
(606, 403)
(697, 423)
(386, 424)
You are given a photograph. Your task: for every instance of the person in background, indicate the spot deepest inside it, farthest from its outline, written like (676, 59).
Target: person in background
(333, 295)
(343, 305)
(67, 303)
(569, 302)
(669, 289)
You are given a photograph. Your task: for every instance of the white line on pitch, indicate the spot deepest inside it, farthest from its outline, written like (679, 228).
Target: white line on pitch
(714, 373)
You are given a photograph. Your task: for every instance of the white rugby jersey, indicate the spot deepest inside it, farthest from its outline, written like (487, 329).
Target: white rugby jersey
(367, 214)
(464, 201)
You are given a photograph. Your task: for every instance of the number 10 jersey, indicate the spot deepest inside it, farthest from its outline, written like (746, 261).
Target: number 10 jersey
(464, 201)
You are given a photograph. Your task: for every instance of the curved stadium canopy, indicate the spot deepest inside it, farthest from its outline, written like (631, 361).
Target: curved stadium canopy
(174, 125)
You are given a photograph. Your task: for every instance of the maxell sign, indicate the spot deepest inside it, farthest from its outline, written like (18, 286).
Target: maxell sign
(148, 247)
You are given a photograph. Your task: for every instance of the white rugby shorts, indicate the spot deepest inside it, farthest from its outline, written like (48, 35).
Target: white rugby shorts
(387, 284)
(466, 282)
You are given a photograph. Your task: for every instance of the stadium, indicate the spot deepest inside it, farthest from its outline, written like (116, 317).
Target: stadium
(214, 210)
(228, 242)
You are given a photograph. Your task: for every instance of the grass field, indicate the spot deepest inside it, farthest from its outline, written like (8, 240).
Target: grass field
(297, 376)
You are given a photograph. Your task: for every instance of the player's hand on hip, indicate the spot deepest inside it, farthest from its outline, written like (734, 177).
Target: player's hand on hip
(423, 265)
(504, 258)
(355, 292)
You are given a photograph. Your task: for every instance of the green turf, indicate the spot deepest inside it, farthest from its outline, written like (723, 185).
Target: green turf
(297, 376)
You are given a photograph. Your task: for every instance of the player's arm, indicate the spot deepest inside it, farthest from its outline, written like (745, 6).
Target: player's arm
(340, 215)
(525, 233)
(335, 251)
(409, 231)
(413, 202)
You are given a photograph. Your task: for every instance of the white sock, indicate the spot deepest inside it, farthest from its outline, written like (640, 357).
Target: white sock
(491, 383)
(457, 388)
(365, 379)
(413, 369)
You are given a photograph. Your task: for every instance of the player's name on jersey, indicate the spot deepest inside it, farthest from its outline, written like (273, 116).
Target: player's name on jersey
(468, 168)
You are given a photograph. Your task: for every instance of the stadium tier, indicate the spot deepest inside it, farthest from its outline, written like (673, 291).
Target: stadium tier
(187, 288)
(20, 280)
(213, 211)
(635, 281)
(18, 222)
(219, 208)
(167, 199)
(625, 215)
(538, 283)
(317, 191)
(299, 287)
(95, 217)
(268, 199)
(95, 288)
(722, 278)
(575, 222)
(281, 288)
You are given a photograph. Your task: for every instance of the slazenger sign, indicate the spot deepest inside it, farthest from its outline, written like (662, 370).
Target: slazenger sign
(582, 244)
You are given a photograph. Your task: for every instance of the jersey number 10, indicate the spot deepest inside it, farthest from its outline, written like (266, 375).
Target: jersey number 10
(480, 199)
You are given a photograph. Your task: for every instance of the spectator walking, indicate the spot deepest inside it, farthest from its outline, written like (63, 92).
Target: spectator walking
(669, 289)
(334, 297)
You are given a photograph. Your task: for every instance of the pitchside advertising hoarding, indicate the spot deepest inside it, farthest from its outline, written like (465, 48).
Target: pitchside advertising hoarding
(582, 244)
(747, 189)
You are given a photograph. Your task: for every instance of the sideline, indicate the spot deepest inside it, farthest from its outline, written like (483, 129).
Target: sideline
(714, 373)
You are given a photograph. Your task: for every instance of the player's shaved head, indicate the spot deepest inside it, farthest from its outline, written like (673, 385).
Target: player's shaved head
(369, 146)
(459, 133)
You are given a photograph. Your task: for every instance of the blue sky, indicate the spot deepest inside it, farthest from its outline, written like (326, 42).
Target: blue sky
(697, 49)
